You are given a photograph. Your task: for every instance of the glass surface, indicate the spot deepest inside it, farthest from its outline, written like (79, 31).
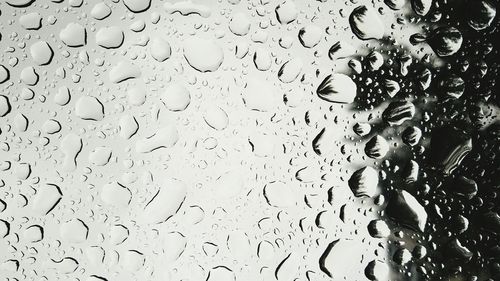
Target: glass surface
(232, 140)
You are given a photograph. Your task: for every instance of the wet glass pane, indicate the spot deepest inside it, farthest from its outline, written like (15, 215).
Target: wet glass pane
(234, 140)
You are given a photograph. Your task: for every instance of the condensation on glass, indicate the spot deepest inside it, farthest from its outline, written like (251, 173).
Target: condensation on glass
(232, 140)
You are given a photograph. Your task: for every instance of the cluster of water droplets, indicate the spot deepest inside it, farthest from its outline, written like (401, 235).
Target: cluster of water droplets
(249, 140)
